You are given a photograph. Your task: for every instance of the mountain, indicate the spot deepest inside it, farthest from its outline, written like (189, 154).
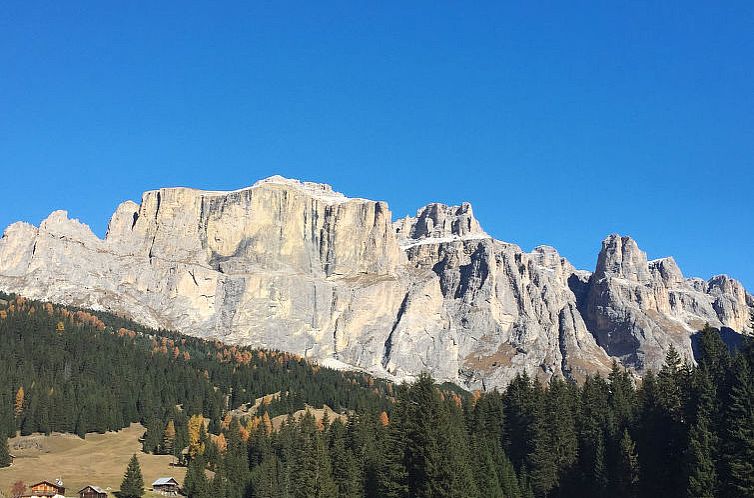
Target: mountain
(298, 267)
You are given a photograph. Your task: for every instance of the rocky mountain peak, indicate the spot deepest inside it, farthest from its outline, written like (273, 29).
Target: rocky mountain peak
(440, 222)
(621, 257)
(668, 271)
(299, 267)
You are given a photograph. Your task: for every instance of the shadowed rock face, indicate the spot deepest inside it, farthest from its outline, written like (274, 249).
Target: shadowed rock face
(297, 267)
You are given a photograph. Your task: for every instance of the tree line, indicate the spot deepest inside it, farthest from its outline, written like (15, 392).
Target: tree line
(76, 371)
(685, 431)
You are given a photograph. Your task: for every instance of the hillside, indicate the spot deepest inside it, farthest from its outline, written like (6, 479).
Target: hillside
(683, 431)
(81, 371)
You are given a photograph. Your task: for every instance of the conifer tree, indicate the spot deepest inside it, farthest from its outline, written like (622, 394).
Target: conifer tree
(153, 436)
(345, 469)
(5, 459)
(391, 477)
(168, 437)
(739, 447)
(195, 484)
(627, 474)
(423, 454)
(703, 440)
(133, 482)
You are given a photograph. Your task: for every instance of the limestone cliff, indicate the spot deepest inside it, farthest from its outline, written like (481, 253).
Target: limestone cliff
(298, 267)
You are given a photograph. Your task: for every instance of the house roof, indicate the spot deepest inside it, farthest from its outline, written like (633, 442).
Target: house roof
(48, 482)
(162, 481)
(95, 488)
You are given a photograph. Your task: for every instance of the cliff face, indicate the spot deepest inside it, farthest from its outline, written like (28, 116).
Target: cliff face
(297, 267)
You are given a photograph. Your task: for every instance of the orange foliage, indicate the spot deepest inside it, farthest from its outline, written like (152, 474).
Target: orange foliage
(384, 420)
(221, 443)
(19, 405)
(244, 433)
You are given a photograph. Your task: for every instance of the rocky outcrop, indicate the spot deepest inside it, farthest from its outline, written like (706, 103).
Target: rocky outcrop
(298, 267)
(637, 308)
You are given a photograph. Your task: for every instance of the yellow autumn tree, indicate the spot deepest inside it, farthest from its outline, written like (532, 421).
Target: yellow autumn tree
(196, 445)
(19, 405)
(267, 423)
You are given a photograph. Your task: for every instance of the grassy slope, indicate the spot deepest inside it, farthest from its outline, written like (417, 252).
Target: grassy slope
(100, 460)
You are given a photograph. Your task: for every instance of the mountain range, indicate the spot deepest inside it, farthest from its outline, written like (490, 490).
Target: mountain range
(297, 267)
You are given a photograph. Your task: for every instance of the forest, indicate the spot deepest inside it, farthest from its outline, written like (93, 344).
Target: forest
(684, 431)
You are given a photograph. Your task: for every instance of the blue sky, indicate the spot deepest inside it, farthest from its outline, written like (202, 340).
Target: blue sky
(561, 122)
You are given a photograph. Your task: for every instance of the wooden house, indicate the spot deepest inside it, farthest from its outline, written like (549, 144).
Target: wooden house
(167, 486)
(92, 492)
(47, 489)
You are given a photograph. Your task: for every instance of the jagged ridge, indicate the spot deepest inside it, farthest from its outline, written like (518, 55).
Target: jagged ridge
(296, 266)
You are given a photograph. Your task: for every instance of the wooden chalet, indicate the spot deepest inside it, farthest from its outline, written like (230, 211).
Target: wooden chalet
(92, 492)
(167, 486)
(47, 489)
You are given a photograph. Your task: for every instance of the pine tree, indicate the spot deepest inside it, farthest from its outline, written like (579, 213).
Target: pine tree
(133, 482)
(702, 439)
(739, 447)
(627, 473)
(555, 444)
(423, 454)
(391, 477)
(195, 484)
(168, 438)
(345, 468)
(5, 459)
(713, 353)
(153, 436)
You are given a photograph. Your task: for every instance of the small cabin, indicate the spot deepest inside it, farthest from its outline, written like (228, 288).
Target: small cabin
(92, 492)
(48, 489)
(167, 486)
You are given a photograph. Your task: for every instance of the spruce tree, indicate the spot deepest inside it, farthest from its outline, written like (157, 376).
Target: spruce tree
(423, 456)
(391, 477)
(195, 484)
(703, 440)
(133, 482)
(153, 436)
(627, 472)
(739, 447)
(5, 459)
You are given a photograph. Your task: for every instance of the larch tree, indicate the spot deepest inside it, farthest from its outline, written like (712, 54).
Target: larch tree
(19, 404)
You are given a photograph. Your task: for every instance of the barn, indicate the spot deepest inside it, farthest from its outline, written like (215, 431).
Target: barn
(92, 492)
(167, 486)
